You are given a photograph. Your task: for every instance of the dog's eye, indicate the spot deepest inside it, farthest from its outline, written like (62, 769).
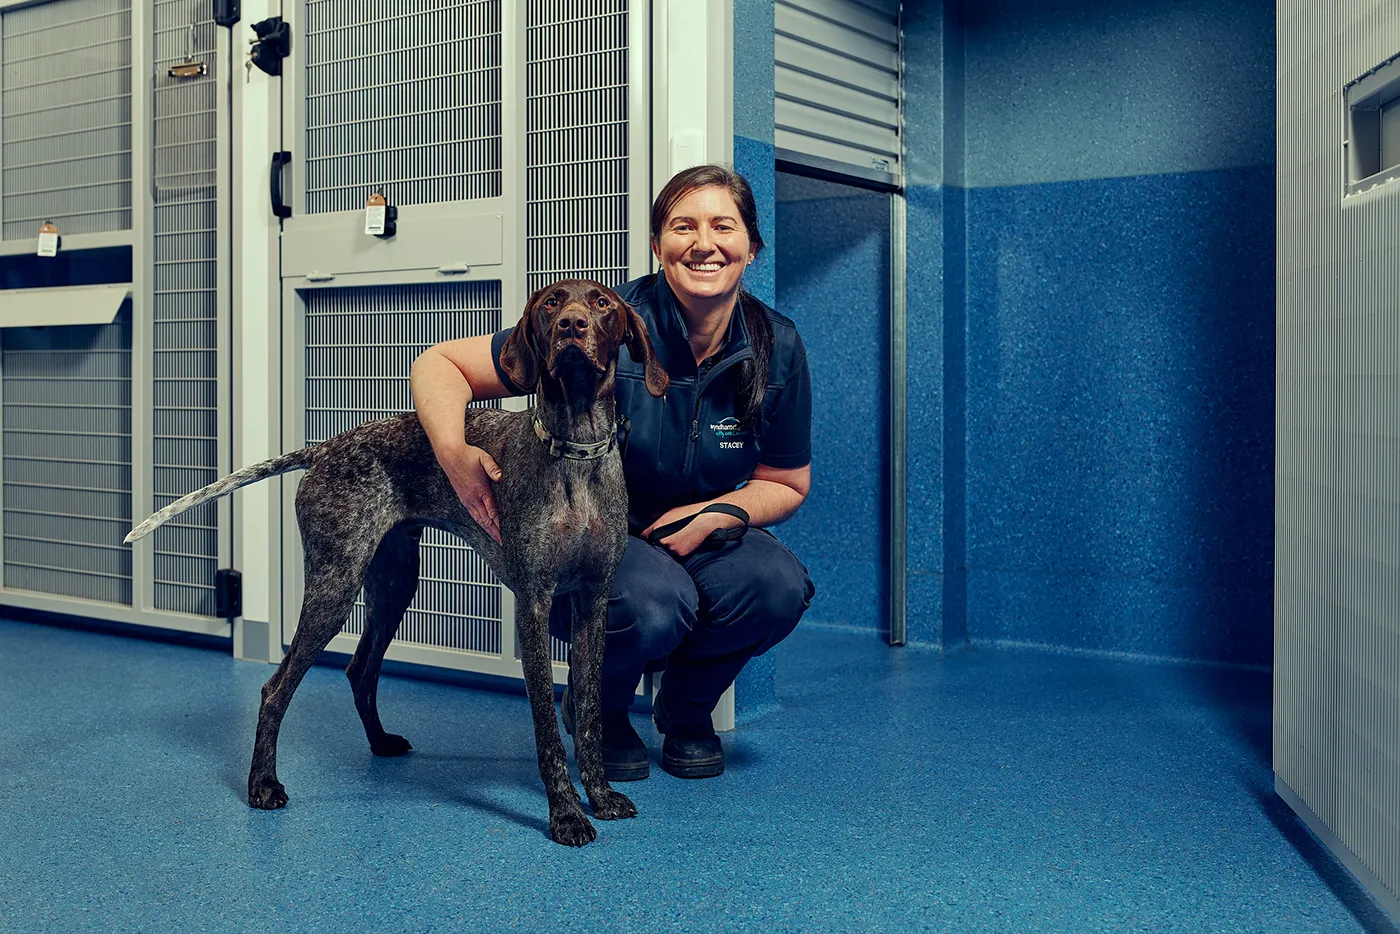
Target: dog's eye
(551, 302)
(602, 303)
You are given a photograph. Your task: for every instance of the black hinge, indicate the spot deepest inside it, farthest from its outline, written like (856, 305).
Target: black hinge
(227, 12)
(228, 593)
(273, 44)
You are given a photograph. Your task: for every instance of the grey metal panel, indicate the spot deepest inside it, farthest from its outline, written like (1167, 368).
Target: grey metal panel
(837, 82)
(406, 96)
(360, 344)
(431, 236)
(66, 108)
(1337, 559)
(185, 304)
(67, 459)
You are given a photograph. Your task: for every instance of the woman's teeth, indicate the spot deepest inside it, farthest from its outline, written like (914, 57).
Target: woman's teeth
(703, 267)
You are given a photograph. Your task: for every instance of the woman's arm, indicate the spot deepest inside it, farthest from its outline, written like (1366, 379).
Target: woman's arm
(444, 379)
(771, 496)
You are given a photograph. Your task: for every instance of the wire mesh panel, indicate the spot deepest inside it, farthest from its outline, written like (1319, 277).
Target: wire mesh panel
(184, 305)
(66, 108)
(576, 151)
(360, 344)
(576, 131)
(403, 96)
(67, 459)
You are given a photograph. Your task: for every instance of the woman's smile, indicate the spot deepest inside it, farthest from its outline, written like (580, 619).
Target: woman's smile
(704, 248)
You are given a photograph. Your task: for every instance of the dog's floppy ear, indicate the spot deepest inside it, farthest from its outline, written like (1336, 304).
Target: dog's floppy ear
(638, 341)
(519, 356)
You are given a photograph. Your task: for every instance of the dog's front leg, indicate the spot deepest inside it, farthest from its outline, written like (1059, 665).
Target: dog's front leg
(586, 668)
(567, 823)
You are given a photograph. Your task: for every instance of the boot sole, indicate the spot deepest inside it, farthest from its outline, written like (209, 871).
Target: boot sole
(626, 773)
(694, 768)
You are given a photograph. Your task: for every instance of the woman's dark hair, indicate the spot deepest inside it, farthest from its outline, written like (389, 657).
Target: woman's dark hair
(753, 374)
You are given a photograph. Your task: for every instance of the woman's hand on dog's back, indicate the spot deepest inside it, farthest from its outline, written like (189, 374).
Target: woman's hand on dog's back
(445, 379)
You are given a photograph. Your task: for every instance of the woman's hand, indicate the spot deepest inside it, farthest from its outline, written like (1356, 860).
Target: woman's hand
(471, 470)
(683, 543)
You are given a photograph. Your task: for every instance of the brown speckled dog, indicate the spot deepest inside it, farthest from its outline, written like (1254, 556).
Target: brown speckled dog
(562, 507)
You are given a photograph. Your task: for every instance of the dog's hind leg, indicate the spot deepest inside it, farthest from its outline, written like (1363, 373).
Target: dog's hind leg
(567, 823)
(390, 584)
(586, 663)
(333, 577)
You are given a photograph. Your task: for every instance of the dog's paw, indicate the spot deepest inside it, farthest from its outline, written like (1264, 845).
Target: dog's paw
(266, 794)
(571, 828)
(390, 744)
(612, 805)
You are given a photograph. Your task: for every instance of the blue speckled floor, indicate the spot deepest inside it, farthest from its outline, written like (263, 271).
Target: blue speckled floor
(995, 790)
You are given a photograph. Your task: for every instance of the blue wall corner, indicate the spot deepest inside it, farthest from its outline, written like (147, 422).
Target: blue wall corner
(1090, 361)
(953, 481)
(1120, 414)
(925, 310)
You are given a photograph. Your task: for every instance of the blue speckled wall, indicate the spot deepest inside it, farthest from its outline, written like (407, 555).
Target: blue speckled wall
(1091, 324)
(1120, 414)
(833, 281)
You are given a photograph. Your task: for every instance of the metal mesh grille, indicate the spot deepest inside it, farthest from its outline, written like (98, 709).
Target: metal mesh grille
(575, 147)
(576, 140)
(360, 344)
(67, 117)
(410, 101)
(67, 459)
(184, 308)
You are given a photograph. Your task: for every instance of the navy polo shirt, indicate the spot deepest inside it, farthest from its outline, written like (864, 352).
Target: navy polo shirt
(688, 445)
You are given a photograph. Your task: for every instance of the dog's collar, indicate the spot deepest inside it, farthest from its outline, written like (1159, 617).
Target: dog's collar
(575, 451)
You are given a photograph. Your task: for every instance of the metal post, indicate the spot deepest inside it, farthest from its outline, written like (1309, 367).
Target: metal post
(899, 525)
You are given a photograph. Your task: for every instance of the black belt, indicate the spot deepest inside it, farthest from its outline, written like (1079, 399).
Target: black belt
(716, 539)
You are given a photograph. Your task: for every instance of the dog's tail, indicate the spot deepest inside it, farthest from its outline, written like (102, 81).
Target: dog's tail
(297, 460)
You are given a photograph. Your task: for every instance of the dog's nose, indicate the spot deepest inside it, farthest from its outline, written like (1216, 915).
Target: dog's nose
(572, 324)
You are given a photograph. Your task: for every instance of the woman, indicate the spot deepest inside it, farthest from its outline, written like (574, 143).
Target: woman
(738, 412)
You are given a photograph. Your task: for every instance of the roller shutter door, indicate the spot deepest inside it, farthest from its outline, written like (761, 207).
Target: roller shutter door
(837, 87)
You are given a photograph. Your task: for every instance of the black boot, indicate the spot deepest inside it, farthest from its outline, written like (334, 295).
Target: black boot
(692, 749)
(624, 754)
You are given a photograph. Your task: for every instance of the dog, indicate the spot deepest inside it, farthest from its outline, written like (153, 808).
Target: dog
(562, 511)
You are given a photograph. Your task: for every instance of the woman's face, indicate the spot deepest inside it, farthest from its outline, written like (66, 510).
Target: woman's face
(704, 246)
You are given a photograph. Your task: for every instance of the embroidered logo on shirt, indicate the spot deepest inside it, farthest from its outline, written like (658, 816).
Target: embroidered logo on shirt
(728, 431)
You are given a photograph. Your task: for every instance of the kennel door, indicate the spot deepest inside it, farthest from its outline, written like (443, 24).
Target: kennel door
(106, 423)
(504, 134)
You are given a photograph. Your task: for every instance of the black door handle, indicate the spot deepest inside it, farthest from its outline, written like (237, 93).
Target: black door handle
(279, 159)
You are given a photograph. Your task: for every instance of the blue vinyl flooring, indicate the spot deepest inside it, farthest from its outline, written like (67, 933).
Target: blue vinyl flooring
(896, 790)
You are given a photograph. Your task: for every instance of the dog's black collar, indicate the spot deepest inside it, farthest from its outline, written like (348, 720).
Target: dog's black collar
(575, 451)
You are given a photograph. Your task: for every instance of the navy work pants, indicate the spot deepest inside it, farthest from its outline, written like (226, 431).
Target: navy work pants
(701, 617)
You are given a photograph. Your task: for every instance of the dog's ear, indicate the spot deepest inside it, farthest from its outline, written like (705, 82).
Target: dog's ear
(519, 356)
(638, 341)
